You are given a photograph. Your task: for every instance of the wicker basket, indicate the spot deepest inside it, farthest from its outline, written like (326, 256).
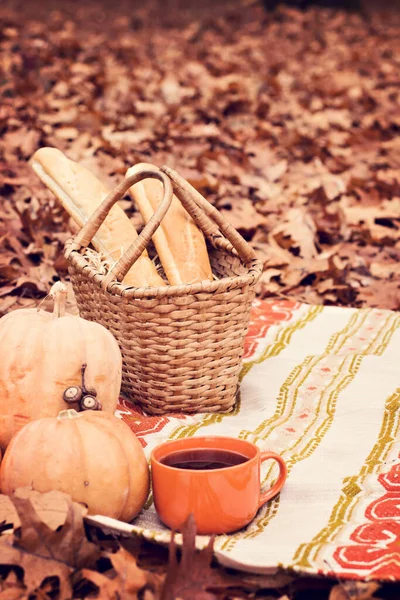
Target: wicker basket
(181, 345)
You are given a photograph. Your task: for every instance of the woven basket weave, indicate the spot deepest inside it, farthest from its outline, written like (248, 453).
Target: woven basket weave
(181, 345)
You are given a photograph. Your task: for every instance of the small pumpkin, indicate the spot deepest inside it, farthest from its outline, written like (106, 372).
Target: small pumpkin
(92, 456)
(43, 355)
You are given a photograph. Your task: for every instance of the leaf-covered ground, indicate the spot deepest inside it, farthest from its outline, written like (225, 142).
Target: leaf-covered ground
(287, 121)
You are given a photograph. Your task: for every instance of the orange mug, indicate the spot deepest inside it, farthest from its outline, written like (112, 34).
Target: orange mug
(217, 479)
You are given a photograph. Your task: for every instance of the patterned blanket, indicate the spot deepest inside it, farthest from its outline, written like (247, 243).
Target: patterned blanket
(320, 386)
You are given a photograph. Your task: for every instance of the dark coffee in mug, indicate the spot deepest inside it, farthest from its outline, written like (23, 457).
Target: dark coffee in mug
(203, 459)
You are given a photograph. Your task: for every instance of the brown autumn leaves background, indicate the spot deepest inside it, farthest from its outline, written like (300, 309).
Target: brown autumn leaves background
(287, 121)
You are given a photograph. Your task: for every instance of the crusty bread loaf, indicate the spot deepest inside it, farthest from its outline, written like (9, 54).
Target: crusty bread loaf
(179, 242)
(80, 193)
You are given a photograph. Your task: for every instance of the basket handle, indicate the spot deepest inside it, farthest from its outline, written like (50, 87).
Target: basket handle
(208, 218)
(89, 230)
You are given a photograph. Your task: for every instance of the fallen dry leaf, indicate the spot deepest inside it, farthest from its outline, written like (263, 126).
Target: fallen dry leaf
(36, 569)
(101, 586)
(42, 551)
(66, 543)
(192, 577)
(11, 588)
(242, 214)
(124, 580)
(131, 578)
(354, 590)
(378, 224)
(51, 508)
(297, 232)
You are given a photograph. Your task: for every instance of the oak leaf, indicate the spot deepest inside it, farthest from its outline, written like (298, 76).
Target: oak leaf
(241, 214)
(191, 578)
(297, 232)
(195, 578)
(124, 580)
(354, 590)
(11, 587)
(43, 551)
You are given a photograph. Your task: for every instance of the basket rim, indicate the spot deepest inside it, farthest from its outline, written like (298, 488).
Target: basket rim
(81, 264)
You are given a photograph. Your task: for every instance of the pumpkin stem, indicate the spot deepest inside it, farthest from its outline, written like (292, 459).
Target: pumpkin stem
(59, 294)
(71, 413)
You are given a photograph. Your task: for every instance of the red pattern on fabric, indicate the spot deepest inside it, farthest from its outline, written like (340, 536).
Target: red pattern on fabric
(265, 314)
(140, 423)
(377, 542)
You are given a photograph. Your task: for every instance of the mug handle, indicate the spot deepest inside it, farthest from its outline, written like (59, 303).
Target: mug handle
(278, 485)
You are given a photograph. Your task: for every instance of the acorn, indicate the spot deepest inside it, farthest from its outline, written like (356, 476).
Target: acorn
(89, 402)
(81, 395)
(72, 394)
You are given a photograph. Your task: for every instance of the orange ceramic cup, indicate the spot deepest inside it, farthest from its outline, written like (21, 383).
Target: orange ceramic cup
(222, 500)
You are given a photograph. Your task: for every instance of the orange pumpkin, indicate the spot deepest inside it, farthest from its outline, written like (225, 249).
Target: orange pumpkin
(41, 356)
(92, 456)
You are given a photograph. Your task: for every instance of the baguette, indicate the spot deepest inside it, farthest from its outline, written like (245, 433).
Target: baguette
(179, 242)
(80, 193)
